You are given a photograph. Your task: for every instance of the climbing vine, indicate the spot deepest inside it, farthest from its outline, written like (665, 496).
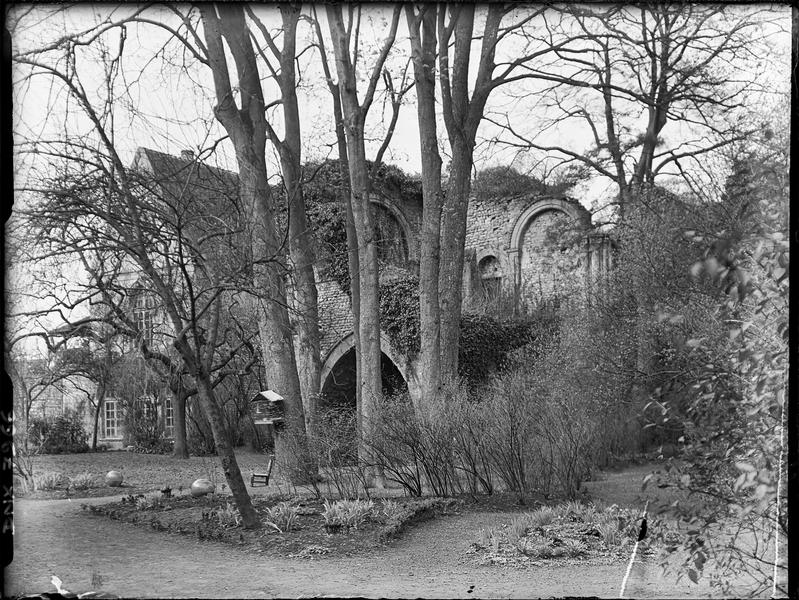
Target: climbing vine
(485, 342)
(323, 189)
(399, 314)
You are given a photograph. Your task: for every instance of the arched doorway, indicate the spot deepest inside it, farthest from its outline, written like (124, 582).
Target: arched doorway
(339, 385)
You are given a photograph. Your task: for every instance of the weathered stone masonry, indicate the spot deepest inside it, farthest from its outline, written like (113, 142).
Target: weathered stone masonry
(534, 250)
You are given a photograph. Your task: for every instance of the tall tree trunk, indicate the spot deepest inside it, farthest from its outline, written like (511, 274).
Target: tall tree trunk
(224, 451)
(247, 127)
(181, 447)
(422, 29)
(453, 240)
(301, 246)
(368, 290)
(462, 115)
(353, 113)
(345, 198)
(99, 401)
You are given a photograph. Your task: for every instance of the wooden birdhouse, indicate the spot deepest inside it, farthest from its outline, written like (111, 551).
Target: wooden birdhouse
(267, 408)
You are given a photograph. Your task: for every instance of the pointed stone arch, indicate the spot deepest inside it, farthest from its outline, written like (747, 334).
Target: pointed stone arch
(347, 343)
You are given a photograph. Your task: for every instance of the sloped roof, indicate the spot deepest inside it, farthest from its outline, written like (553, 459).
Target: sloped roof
(187, 180)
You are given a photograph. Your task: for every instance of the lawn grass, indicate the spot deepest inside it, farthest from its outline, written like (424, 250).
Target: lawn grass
(142, 472)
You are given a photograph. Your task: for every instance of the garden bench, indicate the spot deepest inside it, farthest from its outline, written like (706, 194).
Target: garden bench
(257, 479)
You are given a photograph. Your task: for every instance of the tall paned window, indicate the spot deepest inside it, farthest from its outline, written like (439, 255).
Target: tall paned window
(111, 419)
(169, 418)
(144, 316)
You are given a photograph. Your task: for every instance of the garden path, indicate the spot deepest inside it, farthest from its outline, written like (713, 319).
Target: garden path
(56, 537)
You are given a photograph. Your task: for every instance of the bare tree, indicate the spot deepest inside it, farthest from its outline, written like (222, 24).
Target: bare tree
(100, 200)
(247, 127)
(465, 87)
(354, 112)
(669, 64)
(301, 246)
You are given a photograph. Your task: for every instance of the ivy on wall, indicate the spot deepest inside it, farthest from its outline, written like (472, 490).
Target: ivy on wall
(323, 188)
(399, 314)
(485, 341)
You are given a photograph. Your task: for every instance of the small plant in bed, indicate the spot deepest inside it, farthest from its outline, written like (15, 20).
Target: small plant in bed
(49, 480)
(570, 531)
(84, 481)
(282, 516)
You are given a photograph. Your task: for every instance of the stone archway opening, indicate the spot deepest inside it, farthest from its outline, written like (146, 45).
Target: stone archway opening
(339, 387)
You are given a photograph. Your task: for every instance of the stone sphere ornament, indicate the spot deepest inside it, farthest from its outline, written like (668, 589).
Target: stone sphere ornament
(201, 487)
(113, 478)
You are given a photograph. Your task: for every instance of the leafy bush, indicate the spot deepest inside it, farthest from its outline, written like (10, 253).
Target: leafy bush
(346, 513)
(159, 446)
(568, 530)
(63, 435)
(409, 511)
(282, 516)
(49, 480)
(355, 512)
(228, 515)
(485, 341)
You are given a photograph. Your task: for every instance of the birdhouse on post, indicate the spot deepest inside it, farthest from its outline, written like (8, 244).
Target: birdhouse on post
(268, 408)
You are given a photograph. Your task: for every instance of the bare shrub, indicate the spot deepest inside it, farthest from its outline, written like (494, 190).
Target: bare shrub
(334, 448)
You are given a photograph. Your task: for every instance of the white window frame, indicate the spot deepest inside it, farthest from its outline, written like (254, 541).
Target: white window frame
(111, 418)
(169, 418)
(144, 316)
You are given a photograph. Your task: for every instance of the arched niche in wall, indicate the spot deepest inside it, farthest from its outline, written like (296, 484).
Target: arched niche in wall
(490, 273)
(546, 249)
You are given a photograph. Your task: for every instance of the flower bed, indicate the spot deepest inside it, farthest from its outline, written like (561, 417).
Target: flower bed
(292, 526)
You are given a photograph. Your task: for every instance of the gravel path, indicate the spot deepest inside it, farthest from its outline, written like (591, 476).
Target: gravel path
(56, 537)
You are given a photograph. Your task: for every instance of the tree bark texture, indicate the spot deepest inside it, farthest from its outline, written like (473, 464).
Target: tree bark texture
(301, 247)
(181, 447)
(422, 27)
(224, 450)
(369, 375)
(247, 129)
(462, 115)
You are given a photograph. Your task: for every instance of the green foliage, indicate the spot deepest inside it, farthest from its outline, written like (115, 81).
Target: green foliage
(505, 182)
(732, 448)
(347, 513)
(485, 342)
(143, 428)
(49, 480)
(282, 516)
(63, 435)
(324, 189)
(399, 313)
